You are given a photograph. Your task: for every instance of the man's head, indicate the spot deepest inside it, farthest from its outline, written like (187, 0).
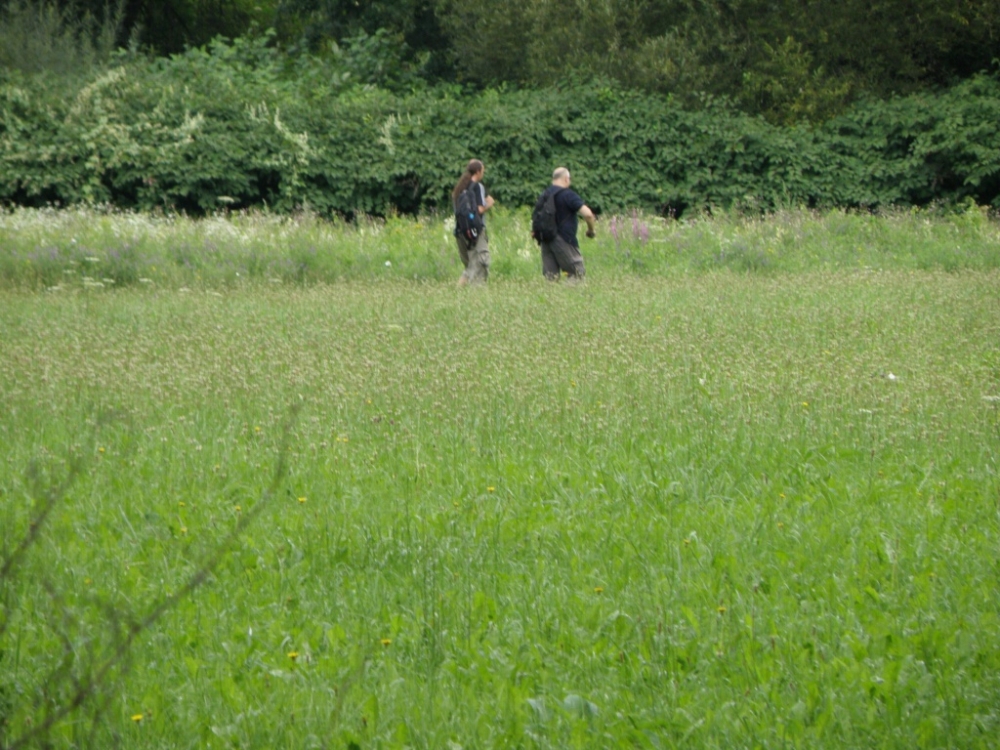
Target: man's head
(560, 177)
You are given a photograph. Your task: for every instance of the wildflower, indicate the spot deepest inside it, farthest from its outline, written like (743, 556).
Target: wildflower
(491, 489)
(101, 449)
(781, 495)
(238, 509)
(388, 264)
(137, 718)
(256, 428)
(781, 524)
(293, 655)
(385, 641)
(805, 403)
(722, 609)
(302, 500)
(598, 589)
(182, 504)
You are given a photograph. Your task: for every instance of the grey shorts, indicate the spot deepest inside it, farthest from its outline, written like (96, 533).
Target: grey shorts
(560, 256)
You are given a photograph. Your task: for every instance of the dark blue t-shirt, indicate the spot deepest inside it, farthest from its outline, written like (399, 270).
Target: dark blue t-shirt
(567, 204)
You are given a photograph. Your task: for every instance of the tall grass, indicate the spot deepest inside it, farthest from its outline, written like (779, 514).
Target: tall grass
(709, 509)
(73, 249)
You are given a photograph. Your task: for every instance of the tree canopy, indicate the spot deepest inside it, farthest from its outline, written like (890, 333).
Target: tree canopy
(789, 60)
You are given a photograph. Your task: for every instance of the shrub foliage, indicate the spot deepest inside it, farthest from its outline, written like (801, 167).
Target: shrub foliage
(232, 126)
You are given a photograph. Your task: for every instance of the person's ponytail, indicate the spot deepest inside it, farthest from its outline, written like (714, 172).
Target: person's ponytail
(474, 167)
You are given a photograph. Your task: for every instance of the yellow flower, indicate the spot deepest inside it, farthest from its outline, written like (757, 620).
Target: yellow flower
(137, 718)
(293, 655)
(238, 509)
(182, 504)
(722, 609)
(101, 449)
(302, 499)
(781, 495)
(256, 429)
(184, 529)
(598, 589)
(805, 403)
(386, 641)
(491, 489)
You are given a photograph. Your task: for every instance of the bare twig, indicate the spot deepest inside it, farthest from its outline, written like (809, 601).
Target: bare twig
(84, 688)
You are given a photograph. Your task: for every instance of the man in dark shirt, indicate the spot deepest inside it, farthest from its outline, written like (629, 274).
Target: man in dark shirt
(563, 253)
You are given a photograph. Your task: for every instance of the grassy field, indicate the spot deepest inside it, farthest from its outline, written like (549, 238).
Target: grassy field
(687, 503)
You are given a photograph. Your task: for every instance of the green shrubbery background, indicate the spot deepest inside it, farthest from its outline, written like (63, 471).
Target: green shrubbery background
(239, 125)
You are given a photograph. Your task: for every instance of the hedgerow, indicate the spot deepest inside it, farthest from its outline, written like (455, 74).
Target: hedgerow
(233, 126)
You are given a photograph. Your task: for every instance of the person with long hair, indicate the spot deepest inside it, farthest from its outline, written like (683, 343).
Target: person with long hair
(473, 246)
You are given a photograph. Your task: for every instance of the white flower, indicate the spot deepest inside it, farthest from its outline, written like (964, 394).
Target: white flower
(388, 264)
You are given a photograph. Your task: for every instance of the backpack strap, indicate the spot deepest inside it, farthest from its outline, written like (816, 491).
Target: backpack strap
(555, 194)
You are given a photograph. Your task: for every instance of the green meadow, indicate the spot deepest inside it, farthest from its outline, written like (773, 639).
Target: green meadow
(740, 488)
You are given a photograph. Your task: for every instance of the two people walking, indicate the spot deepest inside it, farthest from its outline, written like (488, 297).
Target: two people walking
(560, 250)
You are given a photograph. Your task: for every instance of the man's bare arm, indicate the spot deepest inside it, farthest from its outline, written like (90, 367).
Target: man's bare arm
(588, 216)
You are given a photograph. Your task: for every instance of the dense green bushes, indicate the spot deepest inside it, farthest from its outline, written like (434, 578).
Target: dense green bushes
(232, 127)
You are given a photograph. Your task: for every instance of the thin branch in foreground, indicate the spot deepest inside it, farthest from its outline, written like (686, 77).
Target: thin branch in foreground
(84, 689)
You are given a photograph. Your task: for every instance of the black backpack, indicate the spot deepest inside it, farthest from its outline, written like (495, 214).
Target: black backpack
(468, 220)
(543, 219)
